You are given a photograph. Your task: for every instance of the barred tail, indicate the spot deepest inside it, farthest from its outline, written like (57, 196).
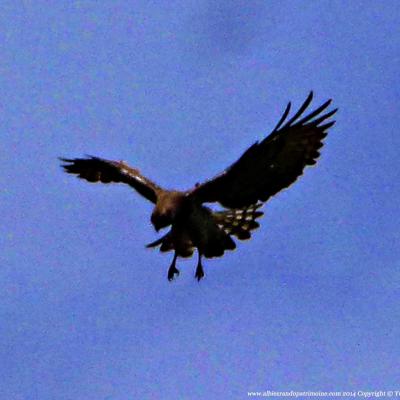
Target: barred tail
(239, 221)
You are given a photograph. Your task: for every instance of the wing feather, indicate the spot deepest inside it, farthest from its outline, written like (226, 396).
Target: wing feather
(95, 169)
(273, 164)
(301, 109)
(284, 116)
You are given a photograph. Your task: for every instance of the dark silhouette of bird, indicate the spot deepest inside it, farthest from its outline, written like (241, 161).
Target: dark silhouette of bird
(263, 170)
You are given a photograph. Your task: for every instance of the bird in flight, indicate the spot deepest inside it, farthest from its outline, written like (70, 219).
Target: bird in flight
(264, 169)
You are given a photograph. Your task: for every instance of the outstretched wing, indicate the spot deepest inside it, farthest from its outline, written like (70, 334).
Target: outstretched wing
(272, 164)
(95, 169)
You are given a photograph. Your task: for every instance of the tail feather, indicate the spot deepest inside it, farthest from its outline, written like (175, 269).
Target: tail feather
(239, 221)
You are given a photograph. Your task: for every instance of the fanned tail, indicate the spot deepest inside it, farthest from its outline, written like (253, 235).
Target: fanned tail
(239, 221)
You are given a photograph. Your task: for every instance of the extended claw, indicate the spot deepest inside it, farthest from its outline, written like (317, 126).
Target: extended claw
(172, 271)
(199, 270)
(199, 273)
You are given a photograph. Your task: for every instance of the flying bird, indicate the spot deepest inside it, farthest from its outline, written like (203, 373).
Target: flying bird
(264, 169)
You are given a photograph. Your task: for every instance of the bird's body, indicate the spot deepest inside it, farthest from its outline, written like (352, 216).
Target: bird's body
(263, 170)
(194, 226)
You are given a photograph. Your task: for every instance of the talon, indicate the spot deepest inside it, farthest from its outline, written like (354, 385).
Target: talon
(172, 269)
(171, 273)
(199, 270)
(199, 273)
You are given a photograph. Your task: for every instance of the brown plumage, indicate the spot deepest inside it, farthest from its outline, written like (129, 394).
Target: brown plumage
(263, 170)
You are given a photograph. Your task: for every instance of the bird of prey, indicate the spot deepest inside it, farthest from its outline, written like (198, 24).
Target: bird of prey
(264, 169)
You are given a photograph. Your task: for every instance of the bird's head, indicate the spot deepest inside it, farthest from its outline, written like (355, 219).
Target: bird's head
(168, 207)
(161, 219)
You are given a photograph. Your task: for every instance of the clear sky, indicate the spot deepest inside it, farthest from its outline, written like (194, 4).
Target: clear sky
(179, 89)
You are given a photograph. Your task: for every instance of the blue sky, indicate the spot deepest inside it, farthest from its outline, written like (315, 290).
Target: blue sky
(179, 89)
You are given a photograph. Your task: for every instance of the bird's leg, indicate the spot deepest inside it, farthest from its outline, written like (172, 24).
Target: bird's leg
(172, 269)
(199, 269)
